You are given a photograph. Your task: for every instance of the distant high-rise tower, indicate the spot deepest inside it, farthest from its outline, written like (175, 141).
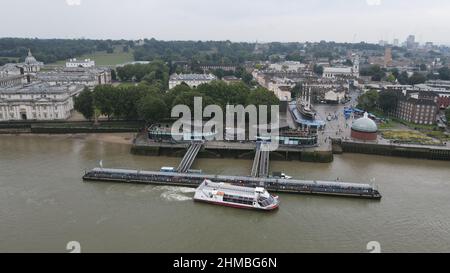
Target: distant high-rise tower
(388, 57)
(411, 41)
(396, 42)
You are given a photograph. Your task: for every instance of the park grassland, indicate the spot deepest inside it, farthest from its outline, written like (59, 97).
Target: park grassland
(102, 58)
(409, 137)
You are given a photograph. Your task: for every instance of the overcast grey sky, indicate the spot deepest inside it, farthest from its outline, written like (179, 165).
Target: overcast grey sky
(236, 20)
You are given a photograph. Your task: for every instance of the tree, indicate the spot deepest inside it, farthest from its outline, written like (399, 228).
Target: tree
(295, 57)
(156, 71)
(187, 98)
(169, 97)
(103, 96)
(84, 103)
(296, 91)
(417, 78)
(318, 69)
(395, 72)
(444, 73)
(374, 71)
(391, 78)
(113, 75)
(244, 75)
(403, 78)
(262, 96)
(378, 76)
(368, 101)
(126, 101)
(387, 101)
(152, 108)
(447, 114)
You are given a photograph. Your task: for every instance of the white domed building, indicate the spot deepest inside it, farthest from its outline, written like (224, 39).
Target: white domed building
(364, 129)
(31, 65)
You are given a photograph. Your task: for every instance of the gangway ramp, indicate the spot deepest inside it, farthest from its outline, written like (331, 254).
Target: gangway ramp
(189, 157)
(260, 166)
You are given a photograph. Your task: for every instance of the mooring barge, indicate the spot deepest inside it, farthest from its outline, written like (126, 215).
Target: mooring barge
(271, 184)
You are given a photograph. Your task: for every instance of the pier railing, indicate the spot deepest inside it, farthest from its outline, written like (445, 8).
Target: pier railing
(271, 184)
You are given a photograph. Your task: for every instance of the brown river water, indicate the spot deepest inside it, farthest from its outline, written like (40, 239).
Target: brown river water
(44, 204)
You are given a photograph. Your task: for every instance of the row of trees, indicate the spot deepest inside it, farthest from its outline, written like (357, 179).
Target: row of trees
(117, 102)
(52, 50)
(377, 73)
(147, 102)
(232, 53)
(372, 100)
(156, 72)
(442, 74)
(240, 72)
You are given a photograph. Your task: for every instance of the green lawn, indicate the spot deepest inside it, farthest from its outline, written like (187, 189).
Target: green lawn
(389, 124)
(438, 135)
(103, 58)
(416, 126)
(4, 60)
(125, 84)
(11, 59)
(409, 137)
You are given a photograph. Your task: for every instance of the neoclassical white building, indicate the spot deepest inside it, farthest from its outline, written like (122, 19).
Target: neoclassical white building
(31, 65)
(288, 66)
(346, 71)
(27, 93)
(335, 72)
(17, 73)
(193, 80)
(80, 63)
(90, 77)
(37, 101)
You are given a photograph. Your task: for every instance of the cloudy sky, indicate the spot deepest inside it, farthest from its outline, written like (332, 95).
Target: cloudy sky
(236, 20)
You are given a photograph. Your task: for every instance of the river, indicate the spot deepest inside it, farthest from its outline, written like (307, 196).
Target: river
(44, 204)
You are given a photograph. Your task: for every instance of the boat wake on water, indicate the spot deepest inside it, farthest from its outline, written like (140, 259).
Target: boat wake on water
(176, 193)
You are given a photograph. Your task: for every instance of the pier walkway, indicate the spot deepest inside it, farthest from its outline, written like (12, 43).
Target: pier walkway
(260, 166)
(189, 157)
(255, 167)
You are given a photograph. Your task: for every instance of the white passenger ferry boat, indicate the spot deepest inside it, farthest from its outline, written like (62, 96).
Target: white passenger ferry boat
(235, 196)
